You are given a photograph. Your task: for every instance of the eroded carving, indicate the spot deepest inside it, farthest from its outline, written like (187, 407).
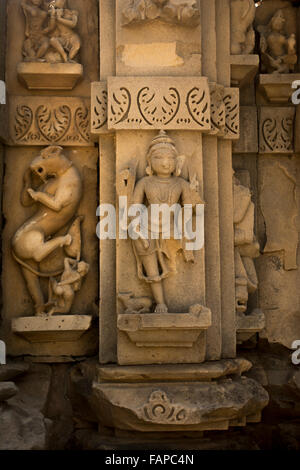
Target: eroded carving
(246, 247)
(232, 113)
(155, 255)
(185, 12)
(57, 194)
(218, 109)
(278, 50)
(242, 32)
(50, 35)
(135, 304)
(160, 409)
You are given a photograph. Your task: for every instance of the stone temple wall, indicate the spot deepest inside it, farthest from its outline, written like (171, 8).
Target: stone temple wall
(118, 343)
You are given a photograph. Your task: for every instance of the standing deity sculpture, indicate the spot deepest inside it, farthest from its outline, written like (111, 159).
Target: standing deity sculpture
(155, 252)
(246, 247)
(242, 32)
(56, 196)
(50, 35)
(277, 48)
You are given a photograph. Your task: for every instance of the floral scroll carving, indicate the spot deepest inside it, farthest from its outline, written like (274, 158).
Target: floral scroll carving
(35, 122)
(277, 130)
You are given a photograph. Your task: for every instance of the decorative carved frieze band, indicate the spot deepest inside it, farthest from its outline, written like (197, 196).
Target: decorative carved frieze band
(165, 103)
(158, 103)
(159, 409)
(44, 121)
(276, 130)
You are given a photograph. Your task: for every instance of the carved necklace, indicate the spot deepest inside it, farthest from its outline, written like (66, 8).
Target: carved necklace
(163, 192)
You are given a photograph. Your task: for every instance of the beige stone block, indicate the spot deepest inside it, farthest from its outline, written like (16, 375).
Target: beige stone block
(56, 328)
(249, 325)
(159, 103)
(276, 130)
(278, 87)
(162, 338)
(177, 406)
(58, 121)
(248, 141)
(173, 372)
(243, 69)
(45, 76)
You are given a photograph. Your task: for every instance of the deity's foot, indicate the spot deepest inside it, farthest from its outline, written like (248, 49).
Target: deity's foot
(161, 308)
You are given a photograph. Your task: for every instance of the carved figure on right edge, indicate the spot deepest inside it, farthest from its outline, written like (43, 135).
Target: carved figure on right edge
(278, 50)
(155, 255)
(246, 247)
(242, 32)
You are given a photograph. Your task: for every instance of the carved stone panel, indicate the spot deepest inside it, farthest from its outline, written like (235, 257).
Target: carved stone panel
(159, 103)
(276, 130)
(232, 113)
(39, 121)
(99, 108)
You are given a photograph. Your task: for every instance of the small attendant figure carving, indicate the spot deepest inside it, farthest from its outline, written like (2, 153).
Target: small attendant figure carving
(173, 11)
(62, 293)
(278, 50)
(64, 40)
(57, 199)
(155, 254)
(246, 247)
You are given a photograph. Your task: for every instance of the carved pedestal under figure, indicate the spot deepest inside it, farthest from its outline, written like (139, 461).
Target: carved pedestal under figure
(50, 39)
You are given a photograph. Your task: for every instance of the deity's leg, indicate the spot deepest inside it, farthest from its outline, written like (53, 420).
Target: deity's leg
(57, 45)
(150, 264)
(43, 250)
(34, 288)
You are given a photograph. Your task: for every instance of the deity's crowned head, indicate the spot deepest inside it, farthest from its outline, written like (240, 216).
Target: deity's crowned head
(277, 21)
(162, 155)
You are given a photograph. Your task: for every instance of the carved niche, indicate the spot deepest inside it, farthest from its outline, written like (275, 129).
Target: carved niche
(278, 48)
(185, 12)
(50, 38)
(242, 32)
(53, 185)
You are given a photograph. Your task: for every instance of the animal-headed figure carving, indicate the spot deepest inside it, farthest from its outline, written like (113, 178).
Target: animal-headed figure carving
(246, 247)
(57, 199)
(278, 50)
(242, 32)
(156, 251)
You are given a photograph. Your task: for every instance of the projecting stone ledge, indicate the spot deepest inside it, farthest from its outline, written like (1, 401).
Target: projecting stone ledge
(45, 76)
(52, 328)
(179, 406)
(152, 338)
(278, 87)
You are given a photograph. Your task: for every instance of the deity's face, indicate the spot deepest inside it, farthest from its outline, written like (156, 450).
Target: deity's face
(163, 162)
(36, 3)
(60, 3)
(278, 22)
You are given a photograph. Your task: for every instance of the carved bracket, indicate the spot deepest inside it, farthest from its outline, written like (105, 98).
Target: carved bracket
(276, 130)
(40, 121)
(164, 103)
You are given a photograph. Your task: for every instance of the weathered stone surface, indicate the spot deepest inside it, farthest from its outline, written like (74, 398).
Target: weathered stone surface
(56, 328)
(179, 373)
(243, 69)
(45, 76)
(12, 370)
(178, 407)
(7, 390)
(248, 141)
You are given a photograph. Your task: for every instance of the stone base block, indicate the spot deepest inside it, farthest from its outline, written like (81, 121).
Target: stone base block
(162, 338)
(159, 407)
(248, 325)
(243, 69)
(45, 76)
(60, 328)
(278, 87)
